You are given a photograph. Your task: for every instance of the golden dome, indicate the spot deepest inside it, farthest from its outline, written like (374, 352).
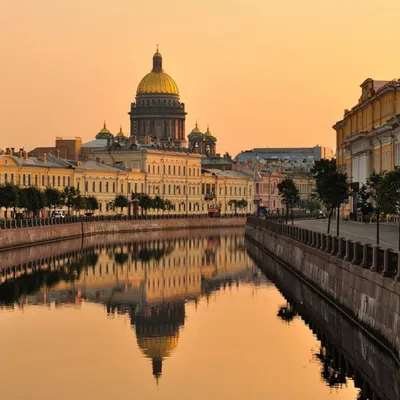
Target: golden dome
(158, 346)
(157, 81)
(120, 133)
(208, 133)
(196, 129)
(104, 130)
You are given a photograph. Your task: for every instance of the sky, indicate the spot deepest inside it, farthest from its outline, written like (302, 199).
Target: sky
(261, 73)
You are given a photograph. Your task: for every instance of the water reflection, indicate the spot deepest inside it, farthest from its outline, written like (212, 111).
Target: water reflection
(197, 308)
(344, 352)
(149, 280)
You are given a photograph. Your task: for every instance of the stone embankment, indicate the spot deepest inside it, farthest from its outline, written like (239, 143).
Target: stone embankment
(19, 237)
(363, 281)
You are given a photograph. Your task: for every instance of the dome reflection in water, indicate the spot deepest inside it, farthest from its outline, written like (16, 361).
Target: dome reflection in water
(196, 307)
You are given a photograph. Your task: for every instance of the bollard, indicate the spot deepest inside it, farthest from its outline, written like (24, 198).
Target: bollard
(312, 244)
(355, 255)
(385, 271)
(328, 243)
(364, 263)
(323, 241)
(374, 266)
(317, 240)
(397, 277)
(334, 249)
(340, 247)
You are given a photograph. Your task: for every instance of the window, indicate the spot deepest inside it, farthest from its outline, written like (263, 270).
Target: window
(106, 187)
(122, 188)
(5, 178)
(29, 180)
(43, 180)
(113, 187)
(78, 185)
(63, 181)
(169, 170)
(12, 178)
(36, 180)
(154, 169)
(190, 171)
(148, 169)
(86, 186)
(59, 181)
(69, 181)
(129, 187)
(24, 179)
(54, 180)
(174, 170)
(100, 186)
(184, 171)
(94, 187)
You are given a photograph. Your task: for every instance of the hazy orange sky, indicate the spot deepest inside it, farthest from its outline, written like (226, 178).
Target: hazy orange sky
(261, 73)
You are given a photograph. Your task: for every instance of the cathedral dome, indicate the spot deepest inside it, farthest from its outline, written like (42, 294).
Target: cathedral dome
(158, 346)
(157, 81)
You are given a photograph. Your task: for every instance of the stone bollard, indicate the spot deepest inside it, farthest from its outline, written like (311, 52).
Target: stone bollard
(313, 238)
(323, 241)
(374, 266)
(397, 277)
(340, 247)
(347, 250)
(334, 249)
(386, 271)
(364, 263)
(355, 259)
(328, 243)
(317, 240)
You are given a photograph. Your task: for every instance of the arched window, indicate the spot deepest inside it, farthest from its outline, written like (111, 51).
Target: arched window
(93, 186)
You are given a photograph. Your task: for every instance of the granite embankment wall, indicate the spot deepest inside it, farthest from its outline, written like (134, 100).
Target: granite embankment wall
(366, 295)
(349, 351)
(13, 238)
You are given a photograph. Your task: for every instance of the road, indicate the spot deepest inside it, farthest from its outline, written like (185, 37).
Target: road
(362, 232)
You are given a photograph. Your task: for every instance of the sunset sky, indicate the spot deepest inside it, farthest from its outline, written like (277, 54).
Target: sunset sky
(260, 72)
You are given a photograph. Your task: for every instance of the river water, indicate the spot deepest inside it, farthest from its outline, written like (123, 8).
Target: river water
(171, 316)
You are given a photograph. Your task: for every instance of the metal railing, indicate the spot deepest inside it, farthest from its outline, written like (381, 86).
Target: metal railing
(380, 260)
(34, 222)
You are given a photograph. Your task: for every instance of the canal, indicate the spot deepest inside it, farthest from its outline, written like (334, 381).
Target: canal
(175, 315)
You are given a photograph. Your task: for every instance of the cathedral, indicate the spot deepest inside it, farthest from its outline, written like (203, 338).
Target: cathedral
(158, 116)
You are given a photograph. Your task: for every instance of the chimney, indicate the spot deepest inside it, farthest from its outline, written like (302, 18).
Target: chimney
(2, 152)
(25, 155)
(12, 150)
(44, 158)
(20, 153)
(8, 151)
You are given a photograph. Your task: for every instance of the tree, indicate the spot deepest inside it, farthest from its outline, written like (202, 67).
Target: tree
(91, 203)
(79, 203)
(69, 195)
(32, 199)
(393, 185)
(331, 187)
(380, 192)
(363, 202)
(145, 203)
(52, 197)
(168, 205)
(290, 195)
(9, 196)
(158, 203)
(121, 201)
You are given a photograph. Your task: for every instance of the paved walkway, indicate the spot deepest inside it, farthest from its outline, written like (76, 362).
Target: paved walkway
(357, 231)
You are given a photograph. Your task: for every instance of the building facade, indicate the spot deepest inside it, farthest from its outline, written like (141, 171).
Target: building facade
(368, 135)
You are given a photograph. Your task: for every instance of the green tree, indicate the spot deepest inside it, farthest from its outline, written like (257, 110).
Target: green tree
(158, 203)
(69, 196)
(145, 203)
(380, 192)
(32, 199)
(91, 203)
(393, 188)
(52, 198)
(9, 196)
(79, 203)
(121, 201)
(168, 205)
(331, 187)
(290, 195)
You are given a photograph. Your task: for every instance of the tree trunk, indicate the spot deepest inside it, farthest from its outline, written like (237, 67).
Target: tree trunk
(377, 228)
(337, 221)
(329, 220)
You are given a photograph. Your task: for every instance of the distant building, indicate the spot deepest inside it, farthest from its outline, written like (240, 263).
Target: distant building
(295, 158)
(67, 148)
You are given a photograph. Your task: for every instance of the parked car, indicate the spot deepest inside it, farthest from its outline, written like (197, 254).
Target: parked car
(58, 214)
(321, 215)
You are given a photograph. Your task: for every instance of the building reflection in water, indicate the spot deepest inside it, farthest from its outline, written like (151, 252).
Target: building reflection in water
(149, 280)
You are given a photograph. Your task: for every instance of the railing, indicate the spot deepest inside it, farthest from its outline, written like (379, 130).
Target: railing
(383, 261)
(33, 222)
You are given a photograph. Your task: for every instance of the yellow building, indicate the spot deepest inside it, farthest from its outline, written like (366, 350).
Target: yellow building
(367, 136)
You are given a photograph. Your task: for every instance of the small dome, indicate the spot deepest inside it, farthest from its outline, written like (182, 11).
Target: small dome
(120, 133)
(104, 130)
(196, 129)
(208, 133)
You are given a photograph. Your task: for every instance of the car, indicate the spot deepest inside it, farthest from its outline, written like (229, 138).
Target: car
(58, 214)
(321, 215)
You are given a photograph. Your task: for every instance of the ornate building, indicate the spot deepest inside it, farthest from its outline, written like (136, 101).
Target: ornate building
(157, 112)
(202, 143)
